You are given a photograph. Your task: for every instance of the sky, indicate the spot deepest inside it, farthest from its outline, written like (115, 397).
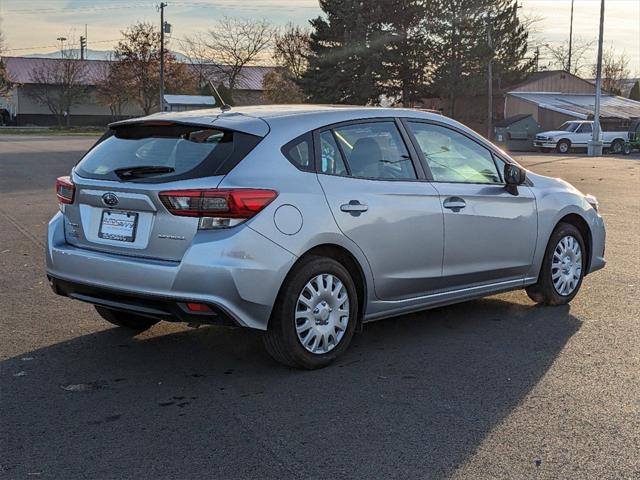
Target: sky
(32, 26)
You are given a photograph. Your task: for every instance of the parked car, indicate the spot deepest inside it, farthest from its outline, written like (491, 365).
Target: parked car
(577, 134)
(305, 222)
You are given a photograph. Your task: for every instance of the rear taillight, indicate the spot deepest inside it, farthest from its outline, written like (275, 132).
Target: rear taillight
(217, 208)
(65, 190)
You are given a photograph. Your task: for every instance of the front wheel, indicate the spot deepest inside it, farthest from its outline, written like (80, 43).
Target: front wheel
(129, 320)
(315, 316)
(563, 146)
(562, 269)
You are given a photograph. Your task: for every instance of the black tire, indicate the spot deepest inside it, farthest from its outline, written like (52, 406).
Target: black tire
(563, 146)
(626, 149)
(544, 291)
(129, 320)
(281, 340)
(617, 146)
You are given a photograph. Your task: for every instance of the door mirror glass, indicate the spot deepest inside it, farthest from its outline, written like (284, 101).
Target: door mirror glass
(514, 175)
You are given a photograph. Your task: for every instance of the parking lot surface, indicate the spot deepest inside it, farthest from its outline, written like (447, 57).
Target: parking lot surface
(493, 388)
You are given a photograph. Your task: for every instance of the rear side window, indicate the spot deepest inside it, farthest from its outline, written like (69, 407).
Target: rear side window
(375, 150)
(146, 153)
(300, 152)
(330, 158)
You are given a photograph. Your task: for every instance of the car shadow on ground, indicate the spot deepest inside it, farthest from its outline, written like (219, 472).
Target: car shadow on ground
(413, 397)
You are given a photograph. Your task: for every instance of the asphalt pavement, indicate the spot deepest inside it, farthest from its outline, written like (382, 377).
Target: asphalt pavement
(492, 388)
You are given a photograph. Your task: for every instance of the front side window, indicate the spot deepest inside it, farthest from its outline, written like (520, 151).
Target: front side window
(454, 157)
(375, 150)
(569, 126)
(585, 128)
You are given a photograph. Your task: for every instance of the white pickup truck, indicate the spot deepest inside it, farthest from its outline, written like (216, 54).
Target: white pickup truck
(576, 134)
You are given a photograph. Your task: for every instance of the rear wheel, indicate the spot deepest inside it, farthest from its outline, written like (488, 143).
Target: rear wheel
(562, 269)
(124, 319)
(563, 146)
(315, 316)
(617, 146)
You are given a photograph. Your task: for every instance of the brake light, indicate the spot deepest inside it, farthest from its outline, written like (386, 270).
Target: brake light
(65, 190)
(218, 207)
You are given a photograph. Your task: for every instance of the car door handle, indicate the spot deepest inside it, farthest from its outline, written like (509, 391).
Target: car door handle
(354, 207)
(454, 203)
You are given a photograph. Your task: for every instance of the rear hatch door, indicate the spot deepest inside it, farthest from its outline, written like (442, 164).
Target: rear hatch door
(117, 208)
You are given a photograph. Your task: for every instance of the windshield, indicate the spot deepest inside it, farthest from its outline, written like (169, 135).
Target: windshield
(570, 126)
(161, 153)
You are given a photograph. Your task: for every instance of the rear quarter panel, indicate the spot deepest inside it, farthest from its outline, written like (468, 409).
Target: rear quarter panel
(299, 219)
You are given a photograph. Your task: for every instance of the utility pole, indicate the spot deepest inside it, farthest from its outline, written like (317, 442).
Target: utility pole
(83, 47)
(489, 79)
(594, 148)
(162, 27)
(570, 39)
(537, 59)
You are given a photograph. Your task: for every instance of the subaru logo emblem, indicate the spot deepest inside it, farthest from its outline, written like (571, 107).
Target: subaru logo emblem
(110, 199)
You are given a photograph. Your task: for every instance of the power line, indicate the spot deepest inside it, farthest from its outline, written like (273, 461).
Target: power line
(95, 8)
(55, 46)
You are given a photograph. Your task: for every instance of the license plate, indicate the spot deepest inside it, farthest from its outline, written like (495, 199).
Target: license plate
(120, 226)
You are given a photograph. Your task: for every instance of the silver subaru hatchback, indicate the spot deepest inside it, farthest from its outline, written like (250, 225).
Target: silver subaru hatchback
(307, 221)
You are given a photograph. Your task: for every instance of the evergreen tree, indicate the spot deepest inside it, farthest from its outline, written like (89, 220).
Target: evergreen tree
(347, 51)
(405, 66)
(460, 50)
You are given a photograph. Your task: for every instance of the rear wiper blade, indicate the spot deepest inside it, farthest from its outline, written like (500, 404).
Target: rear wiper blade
(135, 172)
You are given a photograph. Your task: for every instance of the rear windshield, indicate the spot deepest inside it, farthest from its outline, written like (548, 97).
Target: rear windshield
(153, 154)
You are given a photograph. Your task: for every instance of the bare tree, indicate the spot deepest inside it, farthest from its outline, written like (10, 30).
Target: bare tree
(559, 56)
(60, 85)
(197, 53)
(5, 82)
(615, 70)
(137, 67)
(234, 44)
(279, 87)
(112, 88)
(291, 50)
(1, 38)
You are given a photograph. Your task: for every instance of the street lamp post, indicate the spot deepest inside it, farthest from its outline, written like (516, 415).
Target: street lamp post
(594, 148)
(61, 40)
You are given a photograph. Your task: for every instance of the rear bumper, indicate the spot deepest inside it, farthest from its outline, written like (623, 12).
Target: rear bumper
(237, 272)
(164, 308)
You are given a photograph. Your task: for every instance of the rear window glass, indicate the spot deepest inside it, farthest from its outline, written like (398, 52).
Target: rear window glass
(165, 153)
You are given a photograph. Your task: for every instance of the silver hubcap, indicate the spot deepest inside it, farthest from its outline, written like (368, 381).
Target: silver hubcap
(566, 266)
(564, 147)
(322, 313)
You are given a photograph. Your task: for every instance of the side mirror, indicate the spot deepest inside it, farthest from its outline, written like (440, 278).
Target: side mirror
(514, 176)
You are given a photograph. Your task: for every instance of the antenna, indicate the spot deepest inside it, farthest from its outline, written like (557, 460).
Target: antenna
(223, 106)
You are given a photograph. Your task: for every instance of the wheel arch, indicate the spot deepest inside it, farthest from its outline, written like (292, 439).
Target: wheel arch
(348, 260)
(583, 227)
